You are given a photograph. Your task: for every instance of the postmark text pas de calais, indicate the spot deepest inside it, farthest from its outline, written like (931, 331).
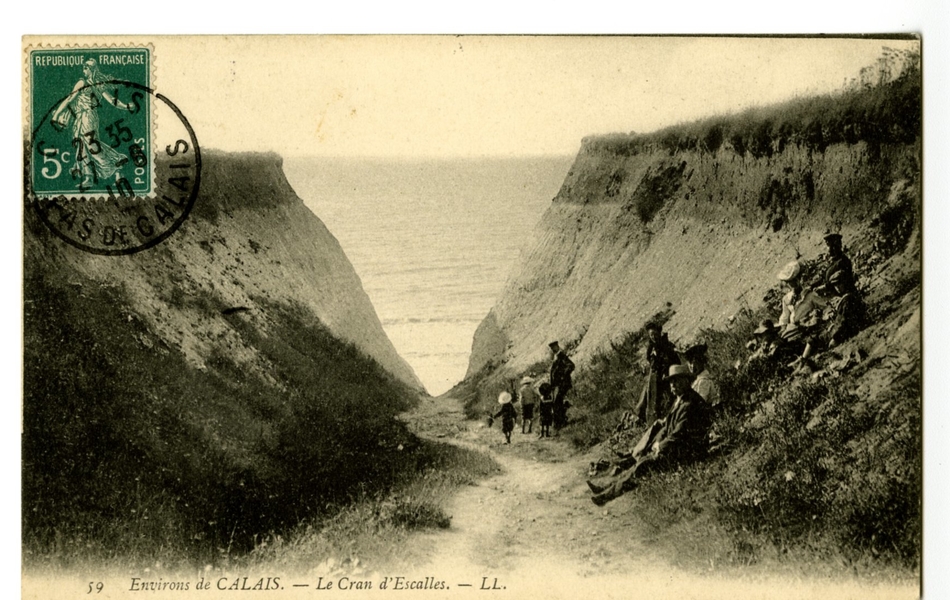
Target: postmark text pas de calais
(112, 166)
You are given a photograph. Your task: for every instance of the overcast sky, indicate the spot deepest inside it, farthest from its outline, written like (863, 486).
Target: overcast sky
(451, 96)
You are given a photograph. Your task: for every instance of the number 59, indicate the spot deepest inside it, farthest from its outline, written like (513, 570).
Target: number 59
(95, 585)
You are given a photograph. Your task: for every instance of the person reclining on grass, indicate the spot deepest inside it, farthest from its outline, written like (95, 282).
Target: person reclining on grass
(680, 438)
(801, 314)
(764, 343)
(845, 315)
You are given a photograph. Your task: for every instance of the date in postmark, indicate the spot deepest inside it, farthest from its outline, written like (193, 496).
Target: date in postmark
(113, 167)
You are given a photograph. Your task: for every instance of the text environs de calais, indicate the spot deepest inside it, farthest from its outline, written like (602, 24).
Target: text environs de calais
(344, 583)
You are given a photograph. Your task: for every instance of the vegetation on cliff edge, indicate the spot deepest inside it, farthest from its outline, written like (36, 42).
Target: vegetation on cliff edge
(885, 109)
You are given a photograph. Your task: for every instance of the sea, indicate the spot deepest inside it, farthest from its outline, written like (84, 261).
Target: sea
(433, 241)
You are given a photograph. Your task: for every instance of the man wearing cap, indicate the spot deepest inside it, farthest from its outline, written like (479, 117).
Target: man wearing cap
(703, 382)
(839, 265)
(680, 438)
(846, 313)
(561, 370)
(529, 397)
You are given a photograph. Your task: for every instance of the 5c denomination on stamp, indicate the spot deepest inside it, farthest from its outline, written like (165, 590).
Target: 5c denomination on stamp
(113, 167)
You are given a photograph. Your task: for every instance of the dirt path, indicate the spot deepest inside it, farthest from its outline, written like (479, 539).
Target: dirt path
(531, 531)
(537, 509)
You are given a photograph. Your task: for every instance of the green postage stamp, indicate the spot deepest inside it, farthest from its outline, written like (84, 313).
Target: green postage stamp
(90, 110)
(112, 166)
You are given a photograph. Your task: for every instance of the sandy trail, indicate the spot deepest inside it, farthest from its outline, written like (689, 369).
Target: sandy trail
(531, 531)
(528, 532)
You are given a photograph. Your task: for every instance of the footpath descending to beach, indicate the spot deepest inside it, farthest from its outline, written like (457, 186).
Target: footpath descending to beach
(532, 531)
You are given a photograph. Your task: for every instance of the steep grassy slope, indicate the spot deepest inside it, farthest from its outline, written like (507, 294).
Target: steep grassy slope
(643, 224)
(225, 383)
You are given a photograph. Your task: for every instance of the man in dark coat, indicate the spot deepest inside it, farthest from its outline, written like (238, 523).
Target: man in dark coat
(561, 370)
(680, 438)
(838, 263)
(846, 313)
(654, 396)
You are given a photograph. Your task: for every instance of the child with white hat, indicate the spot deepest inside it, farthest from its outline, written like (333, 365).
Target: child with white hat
(507, 414)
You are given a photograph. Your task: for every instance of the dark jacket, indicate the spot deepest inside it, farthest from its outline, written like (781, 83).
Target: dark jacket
(685, 434)
(841, 263)
(561, 370)
(849, 317)
(661, 355)
(507, 414)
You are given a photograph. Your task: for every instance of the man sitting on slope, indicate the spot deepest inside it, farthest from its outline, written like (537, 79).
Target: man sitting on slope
(679, 438)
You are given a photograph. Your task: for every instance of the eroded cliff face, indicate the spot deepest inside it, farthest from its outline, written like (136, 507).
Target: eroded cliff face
(699, 233)
(228, 382)
(248, 237)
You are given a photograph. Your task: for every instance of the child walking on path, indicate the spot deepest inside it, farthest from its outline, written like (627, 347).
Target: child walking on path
(507, 414)
(529, 397)
(547, 409)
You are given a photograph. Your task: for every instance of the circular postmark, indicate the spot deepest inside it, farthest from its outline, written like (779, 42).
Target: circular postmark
(113, 168)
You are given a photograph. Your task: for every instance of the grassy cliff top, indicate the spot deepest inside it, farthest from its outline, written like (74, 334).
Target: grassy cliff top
(888, 111)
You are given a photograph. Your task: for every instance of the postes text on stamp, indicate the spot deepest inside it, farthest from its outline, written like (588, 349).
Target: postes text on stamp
(112, 167)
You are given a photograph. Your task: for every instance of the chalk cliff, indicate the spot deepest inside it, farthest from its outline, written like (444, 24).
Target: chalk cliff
(699, 218)
(248, 236)
(227, 382)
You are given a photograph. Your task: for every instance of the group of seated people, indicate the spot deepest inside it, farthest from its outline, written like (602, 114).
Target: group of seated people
(811, 319)
(815, 318)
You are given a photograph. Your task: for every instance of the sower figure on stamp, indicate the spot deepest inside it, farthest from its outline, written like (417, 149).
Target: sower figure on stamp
(561, 370)
(660, 355)
(95, 159)
(680, 438)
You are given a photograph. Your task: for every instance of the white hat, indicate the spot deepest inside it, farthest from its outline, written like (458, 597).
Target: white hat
(790, 271)
(504, 398)
(678, 371)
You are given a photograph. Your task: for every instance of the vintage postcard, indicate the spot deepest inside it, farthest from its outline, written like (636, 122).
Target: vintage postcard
(472, 317)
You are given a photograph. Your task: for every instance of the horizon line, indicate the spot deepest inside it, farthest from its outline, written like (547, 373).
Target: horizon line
(432, 157)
